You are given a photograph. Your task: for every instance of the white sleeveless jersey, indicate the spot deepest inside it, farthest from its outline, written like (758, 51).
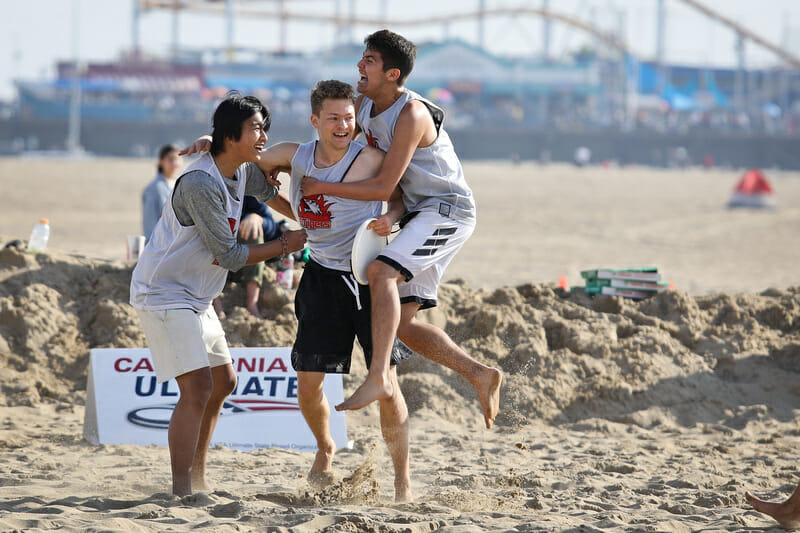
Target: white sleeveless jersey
(175, 269)
(330, 221)
(434, 179)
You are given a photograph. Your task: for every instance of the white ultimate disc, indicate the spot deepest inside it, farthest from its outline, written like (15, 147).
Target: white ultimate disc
(366, 247)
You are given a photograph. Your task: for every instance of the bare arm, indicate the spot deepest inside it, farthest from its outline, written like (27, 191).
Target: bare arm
(367, 164)
(277, 158)
(382, 225)
(282, 205)
(273, 160)
(201, 145)
(358, 106)
(291, 241)
(414, 128)
(396, 208)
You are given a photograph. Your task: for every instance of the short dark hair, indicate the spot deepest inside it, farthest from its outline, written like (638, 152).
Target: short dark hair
(162, 153)
(229, 117)
(396, 52)
(330, 90)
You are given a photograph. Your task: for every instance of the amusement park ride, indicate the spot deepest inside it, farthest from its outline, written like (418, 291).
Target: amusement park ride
(279, 10)
(618, 81)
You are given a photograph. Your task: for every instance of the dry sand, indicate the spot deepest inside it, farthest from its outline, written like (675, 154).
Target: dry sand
(616, 415)
(535, 223)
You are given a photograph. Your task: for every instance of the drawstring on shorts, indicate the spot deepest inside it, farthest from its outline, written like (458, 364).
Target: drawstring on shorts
(353, 288)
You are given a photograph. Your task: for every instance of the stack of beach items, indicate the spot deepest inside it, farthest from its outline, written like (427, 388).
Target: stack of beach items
(635, 283)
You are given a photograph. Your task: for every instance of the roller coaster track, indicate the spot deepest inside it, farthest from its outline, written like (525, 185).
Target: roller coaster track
(203, 6)
(782, 53)
(605, 37)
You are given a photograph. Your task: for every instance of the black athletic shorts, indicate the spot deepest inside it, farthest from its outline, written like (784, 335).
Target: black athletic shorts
(333, 309)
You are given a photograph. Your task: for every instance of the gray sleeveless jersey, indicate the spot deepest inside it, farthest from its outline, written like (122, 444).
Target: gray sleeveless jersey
(330, 221)
(176, 270)
(434, 179)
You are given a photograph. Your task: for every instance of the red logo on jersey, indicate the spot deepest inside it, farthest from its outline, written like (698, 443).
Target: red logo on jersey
(314, 212)
(232, 222)
(371, 139)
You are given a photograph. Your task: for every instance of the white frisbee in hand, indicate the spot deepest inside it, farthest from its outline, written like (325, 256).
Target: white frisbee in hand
(366, 247)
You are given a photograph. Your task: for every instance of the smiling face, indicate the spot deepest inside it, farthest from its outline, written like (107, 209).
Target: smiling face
(252, 141)
(336, 122)
(371, 74)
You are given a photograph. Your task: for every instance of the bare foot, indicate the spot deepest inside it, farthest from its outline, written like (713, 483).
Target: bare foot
(200, 484)
(487, 385)
(402, 491)
(787, 513)
(321, 474)
(320, 479)
(253, 309)
(366, 393)
(323, 460)
(181, 486)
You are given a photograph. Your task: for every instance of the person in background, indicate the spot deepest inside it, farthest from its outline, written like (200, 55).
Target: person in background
(157, 191)
(257, 226)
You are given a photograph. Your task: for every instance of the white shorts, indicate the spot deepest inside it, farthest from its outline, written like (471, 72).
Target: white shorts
(181, 341)
(421, 252)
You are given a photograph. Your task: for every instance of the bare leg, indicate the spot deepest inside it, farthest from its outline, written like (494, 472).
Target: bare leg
(787, 513)
(252, 292)
(394, 426)
(184, 426)
(316, 411)
(436, 345)
(383, 281)
(224, 381)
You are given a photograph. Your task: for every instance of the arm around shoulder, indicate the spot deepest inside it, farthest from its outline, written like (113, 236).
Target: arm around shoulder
(367, 165)
(413, 129)
(278, 157)
(282, 205)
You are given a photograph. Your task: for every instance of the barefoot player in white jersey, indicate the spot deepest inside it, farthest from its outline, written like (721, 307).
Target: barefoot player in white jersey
(406, 276)
(184, 267)
(332, 308)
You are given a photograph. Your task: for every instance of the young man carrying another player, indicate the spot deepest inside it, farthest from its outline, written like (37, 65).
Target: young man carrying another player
(405, 277)
(184, 267)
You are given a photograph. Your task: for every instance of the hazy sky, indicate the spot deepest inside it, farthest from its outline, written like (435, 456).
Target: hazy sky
(36, 33)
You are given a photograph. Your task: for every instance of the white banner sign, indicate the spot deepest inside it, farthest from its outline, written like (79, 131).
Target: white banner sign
(125, 405)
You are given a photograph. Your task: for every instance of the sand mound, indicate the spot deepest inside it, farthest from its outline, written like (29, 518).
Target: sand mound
(567, 356)
(615, 416)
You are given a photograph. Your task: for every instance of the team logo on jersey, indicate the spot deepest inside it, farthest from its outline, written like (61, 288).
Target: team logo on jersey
(232, 223)
(314, 212)
(371, 139)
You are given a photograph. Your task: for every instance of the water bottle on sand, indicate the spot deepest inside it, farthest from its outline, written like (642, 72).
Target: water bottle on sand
(285, 273)
(39, 236)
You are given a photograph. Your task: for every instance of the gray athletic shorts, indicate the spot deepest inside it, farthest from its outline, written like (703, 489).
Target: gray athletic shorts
(421, 252)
